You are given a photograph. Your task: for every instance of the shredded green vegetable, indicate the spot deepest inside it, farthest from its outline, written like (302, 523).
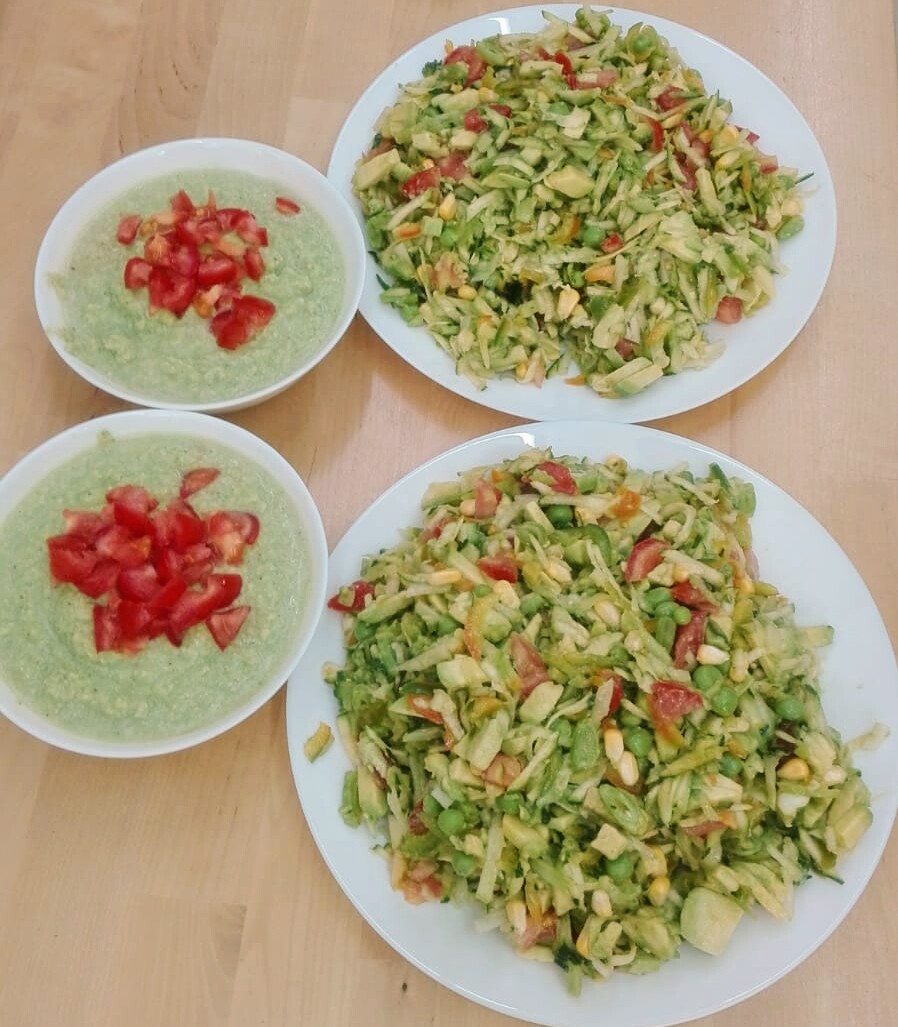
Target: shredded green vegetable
(568, 698)
(573, 195)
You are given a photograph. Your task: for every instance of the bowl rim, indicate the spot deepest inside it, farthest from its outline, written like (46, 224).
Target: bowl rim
(71, 213)
(42, 461)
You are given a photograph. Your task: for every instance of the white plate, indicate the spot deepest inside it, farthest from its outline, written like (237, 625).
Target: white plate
(298, 179)
(750, 346)
(42, 462)
(860, 686)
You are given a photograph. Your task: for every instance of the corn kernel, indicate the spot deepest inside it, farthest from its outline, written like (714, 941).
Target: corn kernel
(601, 903)
(744, 585)
(729, 134)
(794, 769)
(486, 95)
(728, 159)
(658, 891)
(613, 740)
(655, 862)
(447, 208)
(582, 943)
(520, 371)
(599, 273)
(446, 577)
(711, 656)
(466, 508)
(680, 573)
(628, 769)
(467, 292)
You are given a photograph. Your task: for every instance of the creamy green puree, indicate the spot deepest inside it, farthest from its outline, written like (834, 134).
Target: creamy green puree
(47, 652)
(110, 328)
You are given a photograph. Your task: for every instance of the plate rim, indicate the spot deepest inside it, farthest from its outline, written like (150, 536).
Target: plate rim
(296, 757)
(616, 410)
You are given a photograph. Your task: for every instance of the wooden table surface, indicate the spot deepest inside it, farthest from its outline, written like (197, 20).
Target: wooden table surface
(186, 891)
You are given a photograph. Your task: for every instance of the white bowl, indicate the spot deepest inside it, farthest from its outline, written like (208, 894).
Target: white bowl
(41, 462)
(297, 178)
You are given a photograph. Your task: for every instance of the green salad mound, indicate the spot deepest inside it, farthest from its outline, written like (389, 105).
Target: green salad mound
(569, 698)
(572, 196)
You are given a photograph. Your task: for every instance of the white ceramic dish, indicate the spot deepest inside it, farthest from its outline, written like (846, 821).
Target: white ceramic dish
(860, 687)
(298, 179)
(34, 467)
(750, 346)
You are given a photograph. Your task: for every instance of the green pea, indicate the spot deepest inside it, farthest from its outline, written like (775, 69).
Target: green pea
(560, 515)
(430, 806)
(665, 631)
(531, 604)
(656, 596)
(446, 624)
(666, 609)
(790, 707)
(480, 591)
(724, 701)
(682, 615)
(463, 864)
(592, 236)
(621, 868)
(510, 802)
(562, 728)
(451, 821)
(706, 677)
(638, 741)
(585, 746)
(730, 765)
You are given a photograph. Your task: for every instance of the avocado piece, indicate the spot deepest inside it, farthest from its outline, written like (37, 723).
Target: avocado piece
(570, 180)
(458, 102)
(639, 379)
(463, 139)
(375, 170)
(708, 919)
(540, 703)
(372, 800)
(526, 839)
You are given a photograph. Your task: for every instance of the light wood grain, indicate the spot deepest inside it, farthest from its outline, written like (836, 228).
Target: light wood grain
(187, 891)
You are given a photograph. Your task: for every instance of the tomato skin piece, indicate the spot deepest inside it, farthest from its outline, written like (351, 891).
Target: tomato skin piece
(467, 55)
(287, 206)
(216, 270)
(454, 167)
(420, 182)
(644, 557)
(562, 479)
(499, 568)
(669, 98)
(612, 243)
(137, 273)
(420, 705)
(361, 589)
(198, 478)
(657, 135)
(528, 664)
(617, 694)
(502, 108)
(688, 638)
(128, 228)
(486, 499)
(669, 701)
(255, 265)
(704, 829)
(686, 594)
(474, 121)
(224, 625)
(729, 310)
(182, 204)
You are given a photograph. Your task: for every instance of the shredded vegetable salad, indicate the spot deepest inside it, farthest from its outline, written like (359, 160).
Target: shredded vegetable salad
(570, 698)
(572, 196)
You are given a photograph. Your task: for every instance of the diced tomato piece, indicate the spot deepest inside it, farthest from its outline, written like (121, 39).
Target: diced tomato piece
(139, 584)
(360, 589)
(102, 579)
(182, 203)
(230, 531)
(567, 69)
(250, 231)
(562, 479)
(118, 544)
(499, 568)
(769, 164)
(625, 347)
(539, 930)
(503, 109)
(184, 259)
(255, 265)
(385, 145)
(420, 182)
(751, 137)
(157, 249)
(729, 310)
(208, 230)
(688, 638)
(168, 564)
(454, 167)
(169, 594)
(685, 165)
(286, 206)
(107, 630)
(228, 217)
(606, 77)
(255, 311)
(474, 121)
(134, 618)
(486, 498)
(219, 591)
(187, 232)
(503, 770)
(416, 823)
(137, 273)
(198, 478)
(467, 55)
(434, 530)
(528, 664)
(686, 594)
(644, 557)
(420, 705)
(668, 99)
(84, 522)
(178, 527)
(170, 291)
(669, 701)
(612, 243)
(657, 135)
(134, 496)
(197, 562)
(230, 331)
(215, 270)
(225, 624)
(127, 229)
(704, 829)
(695, 140)
(135, 520)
